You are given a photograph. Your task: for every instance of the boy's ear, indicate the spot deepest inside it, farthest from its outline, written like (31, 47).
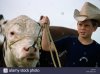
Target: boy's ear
(95, 28)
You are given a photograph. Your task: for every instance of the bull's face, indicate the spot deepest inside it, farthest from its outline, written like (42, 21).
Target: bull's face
(21, 43)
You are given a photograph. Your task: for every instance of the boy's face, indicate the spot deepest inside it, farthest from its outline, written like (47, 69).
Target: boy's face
(85, 28)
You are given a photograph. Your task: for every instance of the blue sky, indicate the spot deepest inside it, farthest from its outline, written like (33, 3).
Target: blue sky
(60, 12)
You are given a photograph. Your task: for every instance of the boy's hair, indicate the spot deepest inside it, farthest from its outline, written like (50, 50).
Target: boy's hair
(94, 22)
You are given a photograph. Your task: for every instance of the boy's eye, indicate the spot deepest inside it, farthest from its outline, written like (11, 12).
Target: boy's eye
(86, 25)
(80, 24)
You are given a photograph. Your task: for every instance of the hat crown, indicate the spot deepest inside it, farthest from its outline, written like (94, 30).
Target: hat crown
(89, 9)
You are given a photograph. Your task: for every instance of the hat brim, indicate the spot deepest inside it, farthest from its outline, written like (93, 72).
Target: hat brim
(79, 17)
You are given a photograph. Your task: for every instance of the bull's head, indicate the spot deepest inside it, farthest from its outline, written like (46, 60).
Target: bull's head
(22, 36)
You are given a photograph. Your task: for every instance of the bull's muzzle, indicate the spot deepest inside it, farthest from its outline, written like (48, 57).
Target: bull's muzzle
(30, 49)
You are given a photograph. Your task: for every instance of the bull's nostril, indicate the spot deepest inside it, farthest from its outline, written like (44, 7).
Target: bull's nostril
(30, 49)
(26, 49)
(31, 54)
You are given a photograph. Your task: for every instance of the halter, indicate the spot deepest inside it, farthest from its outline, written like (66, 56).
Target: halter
(36, 41)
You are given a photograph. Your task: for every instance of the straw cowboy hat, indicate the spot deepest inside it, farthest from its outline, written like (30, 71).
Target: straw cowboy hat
(88, 11)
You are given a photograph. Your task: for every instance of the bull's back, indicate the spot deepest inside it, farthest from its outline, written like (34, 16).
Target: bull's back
(59, 32)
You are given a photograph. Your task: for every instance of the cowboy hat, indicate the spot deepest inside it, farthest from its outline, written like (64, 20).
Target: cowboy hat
(88, 11)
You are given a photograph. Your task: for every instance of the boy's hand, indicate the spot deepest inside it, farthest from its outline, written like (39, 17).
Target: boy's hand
(44, 20)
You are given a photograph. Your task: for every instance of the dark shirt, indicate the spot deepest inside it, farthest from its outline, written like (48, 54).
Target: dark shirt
(79, 55)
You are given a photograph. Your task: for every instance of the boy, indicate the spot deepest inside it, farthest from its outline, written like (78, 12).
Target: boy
(82, 51)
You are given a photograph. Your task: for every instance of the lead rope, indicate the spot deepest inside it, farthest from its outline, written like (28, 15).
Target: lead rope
(53, 46)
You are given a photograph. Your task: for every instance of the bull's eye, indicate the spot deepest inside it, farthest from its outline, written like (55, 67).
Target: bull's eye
(12, 33)
(4, 22)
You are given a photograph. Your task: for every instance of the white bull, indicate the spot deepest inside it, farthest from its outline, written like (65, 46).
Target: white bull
(22, 36)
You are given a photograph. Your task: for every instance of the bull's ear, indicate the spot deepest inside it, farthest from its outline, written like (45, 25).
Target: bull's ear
(1, 38)
(2, 25)
(1, 17)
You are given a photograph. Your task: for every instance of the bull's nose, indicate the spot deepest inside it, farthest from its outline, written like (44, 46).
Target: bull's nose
(30, 49)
